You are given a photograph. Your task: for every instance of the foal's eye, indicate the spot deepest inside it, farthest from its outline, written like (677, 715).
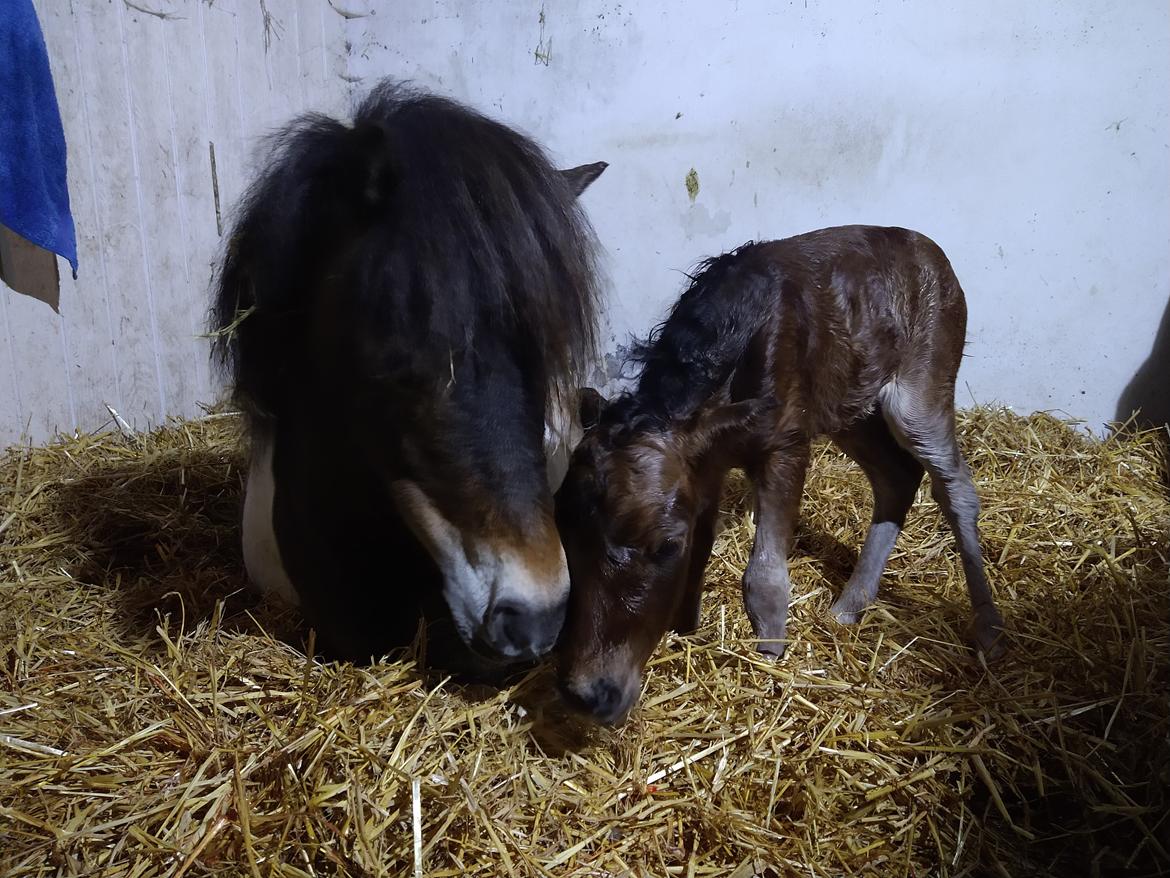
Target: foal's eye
(618, 556)
(667, 550)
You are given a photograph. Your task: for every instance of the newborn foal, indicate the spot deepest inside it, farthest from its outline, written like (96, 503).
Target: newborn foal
(852, 332)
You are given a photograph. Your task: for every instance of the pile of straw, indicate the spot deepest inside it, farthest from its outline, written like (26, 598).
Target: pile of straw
(154, 719)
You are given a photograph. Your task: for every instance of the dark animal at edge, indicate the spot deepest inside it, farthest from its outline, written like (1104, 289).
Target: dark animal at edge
(855, 333)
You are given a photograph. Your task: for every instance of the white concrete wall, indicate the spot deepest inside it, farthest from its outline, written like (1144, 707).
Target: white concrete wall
(1031, 140)
(143, 97)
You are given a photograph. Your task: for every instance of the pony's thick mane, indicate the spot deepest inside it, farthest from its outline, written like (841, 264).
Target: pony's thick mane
(443, 229)
(688, 357)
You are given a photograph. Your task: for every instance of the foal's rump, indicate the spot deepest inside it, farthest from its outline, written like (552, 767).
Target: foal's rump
(854, 307)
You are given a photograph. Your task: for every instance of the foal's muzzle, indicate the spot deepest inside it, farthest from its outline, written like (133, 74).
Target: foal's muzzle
(601, 698)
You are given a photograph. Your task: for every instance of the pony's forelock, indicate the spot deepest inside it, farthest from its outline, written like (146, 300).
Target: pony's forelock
(451, 234)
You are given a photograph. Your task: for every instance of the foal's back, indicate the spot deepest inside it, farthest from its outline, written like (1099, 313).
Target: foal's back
(840, 313)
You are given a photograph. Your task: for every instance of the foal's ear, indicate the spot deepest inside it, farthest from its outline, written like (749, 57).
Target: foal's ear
(581, 176)
(732, 430)
(590, 405)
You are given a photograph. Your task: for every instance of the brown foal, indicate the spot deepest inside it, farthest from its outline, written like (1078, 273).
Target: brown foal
(855, 333)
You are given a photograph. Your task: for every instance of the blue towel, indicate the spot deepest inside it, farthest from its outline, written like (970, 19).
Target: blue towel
(34, 192)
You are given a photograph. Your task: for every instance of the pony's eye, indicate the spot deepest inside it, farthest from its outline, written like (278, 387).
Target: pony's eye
(667, 550)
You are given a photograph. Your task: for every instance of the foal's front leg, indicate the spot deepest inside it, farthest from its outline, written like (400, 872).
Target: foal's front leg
(686, 619)
(767, 589)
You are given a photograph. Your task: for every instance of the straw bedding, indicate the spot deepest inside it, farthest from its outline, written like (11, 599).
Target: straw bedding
(155, 720)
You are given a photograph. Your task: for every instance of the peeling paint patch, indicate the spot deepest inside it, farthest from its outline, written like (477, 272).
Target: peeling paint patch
(692, 184)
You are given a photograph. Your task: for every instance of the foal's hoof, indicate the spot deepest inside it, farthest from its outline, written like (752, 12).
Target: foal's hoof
(772, 648)
(990, 638)
(845, 613)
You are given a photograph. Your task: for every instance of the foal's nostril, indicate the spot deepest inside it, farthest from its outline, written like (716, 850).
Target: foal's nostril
(574, 699)
(606, 698)
(515, 630)
(602, 699)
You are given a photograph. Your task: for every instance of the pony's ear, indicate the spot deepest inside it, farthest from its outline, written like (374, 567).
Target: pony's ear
(581, 176)
(590, 405)
(731, 431)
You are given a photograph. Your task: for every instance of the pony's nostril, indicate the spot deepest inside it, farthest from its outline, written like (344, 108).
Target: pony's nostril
(517, 631)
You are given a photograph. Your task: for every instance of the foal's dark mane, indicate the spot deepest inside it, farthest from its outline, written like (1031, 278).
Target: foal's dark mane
(688, 356)
(446, 232)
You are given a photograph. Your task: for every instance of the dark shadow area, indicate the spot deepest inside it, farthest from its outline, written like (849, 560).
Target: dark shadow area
(1148, 392)
(164, 534)
(834, 559)
(1091, 798)
(556, 729)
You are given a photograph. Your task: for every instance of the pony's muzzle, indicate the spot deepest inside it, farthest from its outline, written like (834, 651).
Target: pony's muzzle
(520, 631)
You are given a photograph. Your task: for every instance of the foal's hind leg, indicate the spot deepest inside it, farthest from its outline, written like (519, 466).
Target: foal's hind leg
(894, 474)
(767, 589)
(925, 426)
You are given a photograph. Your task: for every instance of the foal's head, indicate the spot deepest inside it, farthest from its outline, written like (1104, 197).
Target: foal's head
(626, 513)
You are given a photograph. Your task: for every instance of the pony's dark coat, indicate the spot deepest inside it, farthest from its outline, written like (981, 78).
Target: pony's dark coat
(402, 302)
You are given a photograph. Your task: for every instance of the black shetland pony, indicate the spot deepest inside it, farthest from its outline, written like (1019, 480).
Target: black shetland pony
(404, 305)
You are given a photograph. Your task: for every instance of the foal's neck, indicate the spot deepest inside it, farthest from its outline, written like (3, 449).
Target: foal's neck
(673, 390)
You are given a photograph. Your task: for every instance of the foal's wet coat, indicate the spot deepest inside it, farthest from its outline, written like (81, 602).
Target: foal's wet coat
(855, 333)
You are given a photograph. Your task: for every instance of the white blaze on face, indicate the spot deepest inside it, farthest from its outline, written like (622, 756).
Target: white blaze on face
(261, 551)
(478, 575)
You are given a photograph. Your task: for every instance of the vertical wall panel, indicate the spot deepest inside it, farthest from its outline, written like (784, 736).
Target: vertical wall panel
(224, 87)
(147, 93)
(92, 361)
(190, 157)
(11, 410)
(39, 354)
(155, 209)
(333, 85)
(104, 76)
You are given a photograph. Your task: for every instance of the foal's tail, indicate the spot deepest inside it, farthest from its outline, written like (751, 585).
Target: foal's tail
(322, 181)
